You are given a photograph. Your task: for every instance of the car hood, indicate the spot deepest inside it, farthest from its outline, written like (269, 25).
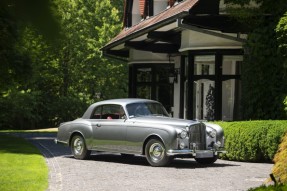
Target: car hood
(164, 121)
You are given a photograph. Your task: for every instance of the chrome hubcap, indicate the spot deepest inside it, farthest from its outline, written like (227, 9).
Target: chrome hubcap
(156, 152)
(78, 146)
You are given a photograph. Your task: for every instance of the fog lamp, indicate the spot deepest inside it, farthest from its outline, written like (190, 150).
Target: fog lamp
(217, 144)
(181, 145)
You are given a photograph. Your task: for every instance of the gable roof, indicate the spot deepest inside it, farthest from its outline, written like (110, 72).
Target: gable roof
(165, 17)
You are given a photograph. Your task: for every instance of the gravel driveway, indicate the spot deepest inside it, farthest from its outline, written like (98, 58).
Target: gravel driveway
(107, 172)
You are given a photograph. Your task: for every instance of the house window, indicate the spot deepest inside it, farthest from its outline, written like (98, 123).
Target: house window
(146, 8)
(231, 65)
(151, 81)
(204, 65)
(128, 13)
(231, 100)
(144, 75)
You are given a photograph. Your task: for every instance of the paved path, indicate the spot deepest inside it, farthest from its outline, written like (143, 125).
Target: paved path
(107, 172)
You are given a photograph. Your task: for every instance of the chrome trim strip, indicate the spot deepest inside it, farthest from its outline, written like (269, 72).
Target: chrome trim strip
(192, 152)
(60, 142)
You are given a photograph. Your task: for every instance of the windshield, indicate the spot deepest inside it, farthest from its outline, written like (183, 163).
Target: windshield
(146, 109)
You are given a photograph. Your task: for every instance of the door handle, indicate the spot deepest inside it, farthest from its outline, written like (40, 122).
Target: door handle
(98, 125)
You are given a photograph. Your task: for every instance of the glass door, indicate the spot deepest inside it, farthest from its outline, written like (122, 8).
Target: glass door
(204, 89)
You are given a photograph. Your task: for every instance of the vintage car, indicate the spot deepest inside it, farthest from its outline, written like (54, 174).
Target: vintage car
(140, 127)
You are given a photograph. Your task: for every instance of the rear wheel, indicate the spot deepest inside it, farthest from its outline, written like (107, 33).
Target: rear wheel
(206, 160)
(78, 147)
(155, 153)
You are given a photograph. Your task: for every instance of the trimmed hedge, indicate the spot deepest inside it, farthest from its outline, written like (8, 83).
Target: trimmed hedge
(270, 188)
(253, 141)
(280, 167)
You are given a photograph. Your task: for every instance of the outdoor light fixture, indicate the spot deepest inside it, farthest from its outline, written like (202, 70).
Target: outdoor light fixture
(173, 76)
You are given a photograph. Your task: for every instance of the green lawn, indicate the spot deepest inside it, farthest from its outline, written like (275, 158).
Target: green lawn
(22, 167)
(48, 130)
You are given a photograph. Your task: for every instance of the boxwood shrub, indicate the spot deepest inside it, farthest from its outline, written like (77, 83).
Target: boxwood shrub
(270, 188)
(280, 167)
(253, 141)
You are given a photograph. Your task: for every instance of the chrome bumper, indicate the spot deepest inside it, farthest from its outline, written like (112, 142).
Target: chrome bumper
(195, 153)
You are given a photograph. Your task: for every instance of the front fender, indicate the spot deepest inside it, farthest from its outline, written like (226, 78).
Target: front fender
(167, 134)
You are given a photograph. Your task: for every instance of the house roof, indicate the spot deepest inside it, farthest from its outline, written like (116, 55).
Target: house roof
(198, 15)
(165, 17)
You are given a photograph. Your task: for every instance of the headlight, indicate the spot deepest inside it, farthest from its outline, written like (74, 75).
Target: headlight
(211, 133)
(183, 135)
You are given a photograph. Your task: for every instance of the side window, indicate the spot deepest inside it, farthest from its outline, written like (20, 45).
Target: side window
(97, 113)
(108, 112)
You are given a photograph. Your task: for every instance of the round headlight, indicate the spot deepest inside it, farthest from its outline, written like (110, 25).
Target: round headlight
(212, 133)
(183, 135)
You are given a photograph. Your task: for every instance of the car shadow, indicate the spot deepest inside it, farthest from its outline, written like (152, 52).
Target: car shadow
(141, 161)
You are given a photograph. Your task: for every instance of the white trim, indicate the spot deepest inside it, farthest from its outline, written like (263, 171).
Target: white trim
(152, 62)
(210, 47)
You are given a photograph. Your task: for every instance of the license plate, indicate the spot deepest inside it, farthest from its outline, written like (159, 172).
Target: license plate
(204, 154)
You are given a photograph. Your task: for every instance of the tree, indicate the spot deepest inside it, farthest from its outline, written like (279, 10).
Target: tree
(264, 83)
(68, 74)
(281, 31)
(210, 103)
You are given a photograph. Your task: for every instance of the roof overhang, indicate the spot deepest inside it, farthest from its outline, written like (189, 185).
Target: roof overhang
(162, 33)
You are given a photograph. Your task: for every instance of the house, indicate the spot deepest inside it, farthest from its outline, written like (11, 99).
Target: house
(186, 54)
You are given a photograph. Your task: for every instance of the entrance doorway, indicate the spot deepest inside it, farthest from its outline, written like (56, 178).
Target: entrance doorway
(213, 85)
(204, 92)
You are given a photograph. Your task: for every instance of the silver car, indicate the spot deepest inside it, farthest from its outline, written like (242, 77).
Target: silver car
(141, 127)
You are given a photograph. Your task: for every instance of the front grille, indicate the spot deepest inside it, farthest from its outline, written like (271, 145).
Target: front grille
(197, 136)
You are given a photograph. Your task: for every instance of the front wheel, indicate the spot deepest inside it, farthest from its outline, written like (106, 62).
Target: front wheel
(206, 160)
(79, 148)
(155, 153)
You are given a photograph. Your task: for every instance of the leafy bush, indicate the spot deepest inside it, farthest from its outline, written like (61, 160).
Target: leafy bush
(285, 103)
(280, 168)
(270, 188)
(253, 141)
(19, 109)
(31, 109)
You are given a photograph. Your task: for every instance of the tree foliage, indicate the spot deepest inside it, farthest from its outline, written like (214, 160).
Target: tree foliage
(60, 78)
(264, 73)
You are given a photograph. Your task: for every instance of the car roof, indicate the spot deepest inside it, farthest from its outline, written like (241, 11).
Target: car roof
(122, 101)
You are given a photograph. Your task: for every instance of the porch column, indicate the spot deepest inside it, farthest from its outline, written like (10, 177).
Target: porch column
(181, 88)
(190, 84)
(218, 87)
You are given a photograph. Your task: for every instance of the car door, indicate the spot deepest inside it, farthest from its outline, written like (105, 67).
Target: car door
(109, 129)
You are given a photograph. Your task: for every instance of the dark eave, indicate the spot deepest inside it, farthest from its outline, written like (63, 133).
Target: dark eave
(118, 53)
(169, 36)
(223, 23)
(153, 47)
